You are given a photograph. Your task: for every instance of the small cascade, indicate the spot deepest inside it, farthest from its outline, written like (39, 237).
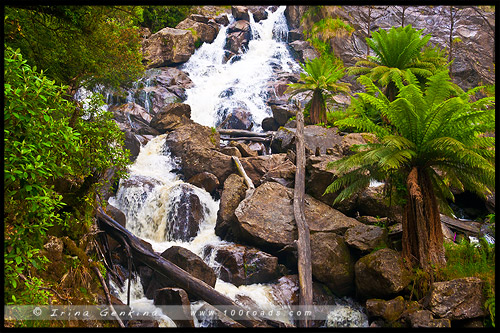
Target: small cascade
(219, 88)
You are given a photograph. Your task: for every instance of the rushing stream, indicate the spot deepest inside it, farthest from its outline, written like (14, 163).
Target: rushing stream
(153, 190)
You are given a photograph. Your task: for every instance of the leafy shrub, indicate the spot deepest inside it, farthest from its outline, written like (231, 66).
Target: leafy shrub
(42, 148)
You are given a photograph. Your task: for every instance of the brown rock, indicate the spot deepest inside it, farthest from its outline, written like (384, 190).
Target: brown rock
(332, 263)
(176, 296)
(240, 13)
(232, 194)
(366, 237)
(389, 310)
(231, 151)
(171, 116)
(380, 274)
(168, 47)
(424, 318)
(257, 167)
(456, 299)
(245, 265)
(266, 218)
(205, 180)
(202, 31)
(244, 149)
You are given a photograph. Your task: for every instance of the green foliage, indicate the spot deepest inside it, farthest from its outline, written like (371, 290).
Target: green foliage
(323, 31)
(40, 149)
(397, 52)
(75, 44)
(159, 17)
(431, 129)
(321, 78)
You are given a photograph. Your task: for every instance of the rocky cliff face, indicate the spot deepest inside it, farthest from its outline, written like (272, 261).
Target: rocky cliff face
(472, 29)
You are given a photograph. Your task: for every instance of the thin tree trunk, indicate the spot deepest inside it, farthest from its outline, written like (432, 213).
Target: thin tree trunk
(317, 111)
(422, 233)
(303, 243)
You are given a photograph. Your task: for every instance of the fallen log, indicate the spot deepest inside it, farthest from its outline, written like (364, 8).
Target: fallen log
(236, 132)
(179, 276)
(241, 171)
(303, 243)
(459, 225)
(247, 138)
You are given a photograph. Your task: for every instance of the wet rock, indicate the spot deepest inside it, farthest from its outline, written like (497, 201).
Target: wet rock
(293, 15)
(240, 13)
(232, 194)
(171, 116)
(119, 217)
(168, 47)
(366, 237)
(238, 37)
(380, 274)
(259, 13)
(186, 260)
(332, 263)
(222, 19)
(202, 32)
(295, 34)
(245, 265)
(303, 51)
(185, 214)
(205, 180)
(237, 119)
(269, 124)
(424, 319)
(266, 218)
(285, 291)
(390, 310)
(133, 145)
(176, 296)
(244, 149)
(456, 299)
(209, 316)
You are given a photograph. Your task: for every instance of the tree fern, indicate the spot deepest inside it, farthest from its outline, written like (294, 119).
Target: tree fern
(432, 131)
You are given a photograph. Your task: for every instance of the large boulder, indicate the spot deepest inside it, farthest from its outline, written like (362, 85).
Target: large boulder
(133, 145)
(294, 14)
(185, 213)
(266, 218)
(167, 47)
(456, 299)
(240, 13)
(366, 238)
(425, 319)
(238, 36)
(202, 32)
(316, 138)
(390, 310)
(319, 176)
(244, 149)
(380, 274)
(197, 147)
(283, 174)
(282, 113)
(256, 167)
(332, 263)
(205, 180)
(232, 194)
(186, 260)
(303, 50)
(171, 116)
(237, 119)
(241, 264)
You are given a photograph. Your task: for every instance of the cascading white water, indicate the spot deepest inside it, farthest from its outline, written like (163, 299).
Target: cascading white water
(153, 188)
(221, 87)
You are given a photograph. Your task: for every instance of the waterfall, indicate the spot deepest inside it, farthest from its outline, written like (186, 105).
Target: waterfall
(221, 87)
(153, 194)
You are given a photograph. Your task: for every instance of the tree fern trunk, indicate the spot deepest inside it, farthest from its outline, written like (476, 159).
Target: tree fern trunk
(317, 111)
(422, 233)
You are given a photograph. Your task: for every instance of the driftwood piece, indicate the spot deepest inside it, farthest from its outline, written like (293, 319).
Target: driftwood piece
(246, 138)
(247, 179)
(179, 276)
(459, 225)
(236, 132)
(303, 243)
